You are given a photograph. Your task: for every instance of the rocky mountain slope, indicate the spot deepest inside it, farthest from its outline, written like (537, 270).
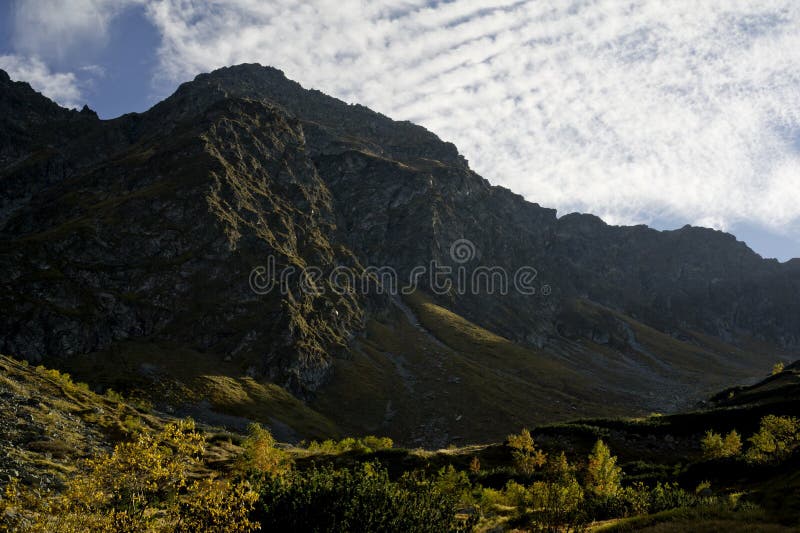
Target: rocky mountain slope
(127, 250)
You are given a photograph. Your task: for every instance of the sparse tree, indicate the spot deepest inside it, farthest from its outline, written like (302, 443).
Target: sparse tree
(711, 444)
(556, 505)
(527, 457)
(603, 476)
(558, 468)
(715, 446)
(776, 439)
(732, 445)
(261, 454)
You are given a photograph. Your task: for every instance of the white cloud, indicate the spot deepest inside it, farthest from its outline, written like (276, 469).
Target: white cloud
(56, 29)
(636, 110)
(48, 34)
(62, 87)
(633, 110)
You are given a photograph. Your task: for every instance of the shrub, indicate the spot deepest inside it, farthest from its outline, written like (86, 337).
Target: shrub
(490, 498)
(711, 444)
(714, 446)
(516, 495)
(628, 501)
(455, 483)
(368, 444)
(552, 504)
(13, 503)
(260, 454)
(527, 457)
(670, 496)
(377, 443)
(777, 368)
(142, 485)
(139, 474)
(556, 505)
(635, 499)
(216, 507)
(775, 440)
(732, 445)
(326, 446)
(359, 499)
(559, 469)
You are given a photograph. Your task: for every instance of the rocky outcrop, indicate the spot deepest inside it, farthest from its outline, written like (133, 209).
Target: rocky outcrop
(403, 197)
(160, 240)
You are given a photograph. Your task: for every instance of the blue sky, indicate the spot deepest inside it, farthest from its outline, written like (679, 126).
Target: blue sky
(639, 111)
(114, 76)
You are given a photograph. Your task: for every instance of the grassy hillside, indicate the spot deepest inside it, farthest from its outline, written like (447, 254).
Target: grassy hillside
(190, 383)
(445, 380)
(48, 423)
(425, 375)
(62, 443)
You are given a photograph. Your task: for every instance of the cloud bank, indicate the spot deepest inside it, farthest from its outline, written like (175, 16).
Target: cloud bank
(57, 29)
(635, 110)
(62, 87)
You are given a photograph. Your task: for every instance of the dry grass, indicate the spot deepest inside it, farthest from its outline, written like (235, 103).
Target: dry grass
(178, 377)
(449, 381)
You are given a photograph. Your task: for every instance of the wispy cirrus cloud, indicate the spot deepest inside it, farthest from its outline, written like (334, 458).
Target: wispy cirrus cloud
(638, 110)
(633, 110)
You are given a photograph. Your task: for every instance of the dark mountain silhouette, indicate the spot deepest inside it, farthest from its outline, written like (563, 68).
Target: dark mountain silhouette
(127, 249)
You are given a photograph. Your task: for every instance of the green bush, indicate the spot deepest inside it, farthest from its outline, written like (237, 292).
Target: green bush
(516, 495)
(556, 506)
(777, 438)
(260, 456)
(377, 443)
(358, 499)
(455, 483)
(715, 446)
(670, 496)
(635, 500)
(558, 469)
(490, 498)
(368, 444)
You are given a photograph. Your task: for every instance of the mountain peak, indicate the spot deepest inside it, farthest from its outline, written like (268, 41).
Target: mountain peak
(147, 229)
(245, 69)
(335, 124)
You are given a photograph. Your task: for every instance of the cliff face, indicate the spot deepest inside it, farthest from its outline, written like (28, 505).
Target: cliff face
(158, 238)
(403, 196)
(149, 227)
